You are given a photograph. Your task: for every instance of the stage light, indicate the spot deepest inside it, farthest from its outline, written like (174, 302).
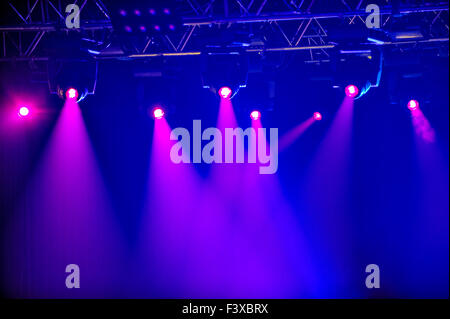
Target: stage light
(225, 92)
(72, 94)
(413, 105)
(157, 18)
(74, 78)
(318, 116)
(24, 111)
(255, 115)
(351, 90)
(158, 113)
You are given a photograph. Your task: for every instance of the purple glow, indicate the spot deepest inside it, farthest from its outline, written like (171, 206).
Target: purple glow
(290, 137)
(413, 105)
(328, 186)
(225, 247)
(68, 213)
(128, 28)
(158, 113)
(123, 13)
(72, 94)
(422, 126)
(351, 90)
(255, 115)
(433, 188)
(24, 111)
(168, 231)
(152, 12)
(143, 28)
(167, 11)
(157, 28)
(225, 92)
(318, 116)
(171, 27)
(137, 12)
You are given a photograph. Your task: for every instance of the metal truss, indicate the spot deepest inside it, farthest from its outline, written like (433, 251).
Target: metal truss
(268, 26)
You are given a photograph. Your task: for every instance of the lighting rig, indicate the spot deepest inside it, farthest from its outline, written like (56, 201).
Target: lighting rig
(315, 32)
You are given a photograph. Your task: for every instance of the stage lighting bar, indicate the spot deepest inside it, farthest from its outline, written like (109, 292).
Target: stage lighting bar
(357, 70)
(149, 18)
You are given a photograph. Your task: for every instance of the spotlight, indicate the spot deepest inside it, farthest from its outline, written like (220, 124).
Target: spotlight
(351, 90)
(318, 116)
(72, 94)
(71, 71)
(225, 92)
(225, 74)
(24, 111)
(413, 105)
(255, 115)
(158, 113)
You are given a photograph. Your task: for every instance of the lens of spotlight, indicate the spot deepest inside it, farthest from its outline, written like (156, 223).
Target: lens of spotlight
(351, 90)
(72, 94)
(318, 116)
(24, 111)
(255, 115)
(158, 113)
(225, 92)
(413, 105)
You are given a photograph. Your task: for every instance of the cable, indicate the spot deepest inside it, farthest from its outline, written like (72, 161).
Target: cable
(366, 88)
